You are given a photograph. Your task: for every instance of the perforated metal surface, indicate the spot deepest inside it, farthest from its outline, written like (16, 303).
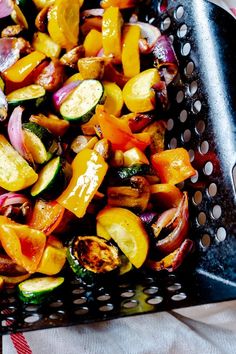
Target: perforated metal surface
(202, 118)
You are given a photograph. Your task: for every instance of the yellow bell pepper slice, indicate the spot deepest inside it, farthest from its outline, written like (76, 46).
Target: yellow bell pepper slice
(88, 171)
(40, 4)
(130, 50)
(15, 172)
(54, 257)
(138, 93)
(24, 66)
(166, 195)
(114, 98)
(92, 43)
(44, 44)
(127, 230)
(111, 33)
(73, 78)
(54, 28)
(68, 17)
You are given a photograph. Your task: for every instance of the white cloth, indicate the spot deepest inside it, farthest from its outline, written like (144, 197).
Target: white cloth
(207, 329)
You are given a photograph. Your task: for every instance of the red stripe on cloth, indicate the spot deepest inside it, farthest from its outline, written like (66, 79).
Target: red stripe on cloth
(20, 343)
(18, 339)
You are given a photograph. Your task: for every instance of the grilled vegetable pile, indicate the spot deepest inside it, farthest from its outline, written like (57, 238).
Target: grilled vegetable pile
(84, 173)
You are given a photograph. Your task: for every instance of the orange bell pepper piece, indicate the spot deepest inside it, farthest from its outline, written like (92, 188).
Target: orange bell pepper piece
(166, 195)
(22, 244)
(88, 171)
(24, 66)
(92, 43)
(46, 216)
(111, 33)
(122, 4)
(118, 132)
(130, 50)
(173, 166)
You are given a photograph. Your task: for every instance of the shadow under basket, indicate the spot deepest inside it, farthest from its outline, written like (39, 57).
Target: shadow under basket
(202, 118)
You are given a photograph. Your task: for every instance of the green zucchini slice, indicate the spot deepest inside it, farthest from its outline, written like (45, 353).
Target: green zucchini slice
(92, 256)
(33, 94)
(134, 170)
(51, 180)
(80, 105)
(36, 290)
(39, 141)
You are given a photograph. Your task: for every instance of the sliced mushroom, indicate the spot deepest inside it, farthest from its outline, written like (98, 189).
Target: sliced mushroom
(52, 76)
(11, 31)
(91, 68)
(9, 268)
(134, 196)
(71, 58)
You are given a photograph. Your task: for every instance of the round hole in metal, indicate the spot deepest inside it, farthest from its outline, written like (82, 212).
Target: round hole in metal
(179, 12)
(129, 304)
(56, 304)
(197, 106)
(173, 143)
(187, 135)
(155, 300)
(123, 285)
(179, 297)
(78, 291)
(201, 218)
(182, 31)
(171, 38)
(183, 116)
(56, 316)
(31, 308)
(80, 301)
(189, 68)
(204, 147)
(75, 282)
(216, 211)
(151, 291)
(200, 127)
(106, 308)
(193, 87)
(128, 293)
(197, 198)
(179, 96)
(186, 48)
(32, 319)
(191, 155)
(165, 23)
(103, 297)
(174, 287)
(194, 178)
(81, 311)
(208, 168)
(221, 234)
(170, 124)
(205, 241)
(212, 190)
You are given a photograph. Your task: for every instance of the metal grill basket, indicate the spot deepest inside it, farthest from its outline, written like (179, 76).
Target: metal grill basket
(202, 118)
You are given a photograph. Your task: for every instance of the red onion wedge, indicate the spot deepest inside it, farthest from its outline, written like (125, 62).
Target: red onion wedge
(165, 58)
(179, 224)
(174, 259)
(149, 36)
(60, 95)
(9, 52)
(6, 7)
(7, 199)
(3, 106)
(16, 135)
